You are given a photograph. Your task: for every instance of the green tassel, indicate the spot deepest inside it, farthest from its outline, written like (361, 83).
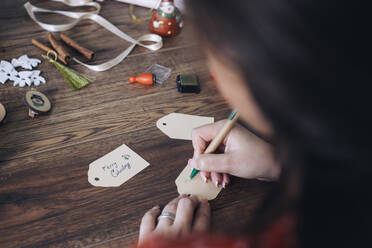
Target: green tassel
(72, 77)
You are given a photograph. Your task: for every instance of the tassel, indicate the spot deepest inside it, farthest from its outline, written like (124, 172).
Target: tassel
(72, 77)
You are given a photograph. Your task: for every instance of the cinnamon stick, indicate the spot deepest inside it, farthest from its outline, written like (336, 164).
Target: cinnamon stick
(84, 51)
(58, 47)
(47, 49)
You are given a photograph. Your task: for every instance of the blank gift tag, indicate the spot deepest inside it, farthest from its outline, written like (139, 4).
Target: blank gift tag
(116, 167)
(179, 126)
(196, 186)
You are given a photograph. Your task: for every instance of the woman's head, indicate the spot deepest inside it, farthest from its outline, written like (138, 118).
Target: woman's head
(298, 70)
(293, 58)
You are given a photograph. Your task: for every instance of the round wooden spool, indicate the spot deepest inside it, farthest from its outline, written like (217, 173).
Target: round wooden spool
(2, 113)
(37, 103)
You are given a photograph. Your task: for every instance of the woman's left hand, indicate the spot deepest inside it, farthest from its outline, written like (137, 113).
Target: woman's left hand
(190, 216)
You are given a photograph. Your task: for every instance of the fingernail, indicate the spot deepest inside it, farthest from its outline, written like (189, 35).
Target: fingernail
(223, 184)
(204, 201)
(156, 207)
(205, 179)
(216, 183)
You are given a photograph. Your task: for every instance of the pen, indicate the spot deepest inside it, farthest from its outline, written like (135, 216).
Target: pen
(216, 142)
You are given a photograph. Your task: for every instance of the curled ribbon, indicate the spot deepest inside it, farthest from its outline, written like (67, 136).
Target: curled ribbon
(94, 16)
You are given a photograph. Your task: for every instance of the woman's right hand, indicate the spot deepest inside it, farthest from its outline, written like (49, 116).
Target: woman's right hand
(244, 155)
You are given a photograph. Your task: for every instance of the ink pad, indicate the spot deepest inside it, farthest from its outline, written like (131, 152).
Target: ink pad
(188, 83)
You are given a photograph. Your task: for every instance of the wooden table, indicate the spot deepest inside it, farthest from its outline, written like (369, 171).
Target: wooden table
(45, 198)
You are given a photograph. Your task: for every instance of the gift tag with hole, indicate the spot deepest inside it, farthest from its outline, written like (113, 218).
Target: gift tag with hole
(179, 126)
(116, 167)
(196, 186)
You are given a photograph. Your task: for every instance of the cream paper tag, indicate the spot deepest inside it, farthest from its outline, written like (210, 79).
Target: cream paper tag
(116, 167)
(196, 186)
(179, 126)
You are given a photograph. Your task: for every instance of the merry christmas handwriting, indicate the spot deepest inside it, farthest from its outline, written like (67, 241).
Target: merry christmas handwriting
(115, 169)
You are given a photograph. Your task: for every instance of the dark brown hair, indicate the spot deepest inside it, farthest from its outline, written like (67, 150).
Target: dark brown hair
(307, 64)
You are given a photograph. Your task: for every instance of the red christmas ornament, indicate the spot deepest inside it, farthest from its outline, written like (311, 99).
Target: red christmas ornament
(166, 20)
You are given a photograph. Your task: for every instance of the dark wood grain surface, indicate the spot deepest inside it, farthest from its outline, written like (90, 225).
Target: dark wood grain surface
(45, 198)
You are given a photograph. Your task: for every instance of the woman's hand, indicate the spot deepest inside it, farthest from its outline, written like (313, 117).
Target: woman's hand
(190, 216)
(244, 155)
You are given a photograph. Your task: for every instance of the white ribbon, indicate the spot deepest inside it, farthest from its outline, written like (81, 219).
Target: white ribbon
(151, 4)
(94, 16)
